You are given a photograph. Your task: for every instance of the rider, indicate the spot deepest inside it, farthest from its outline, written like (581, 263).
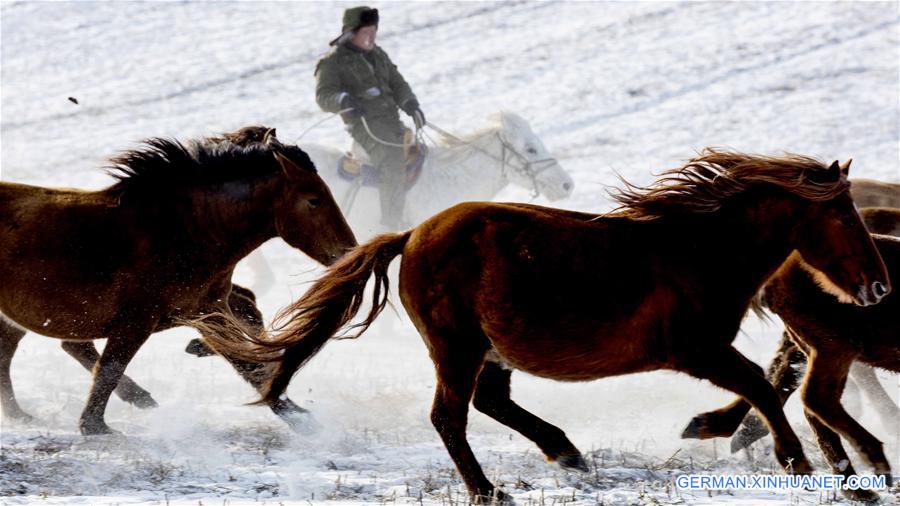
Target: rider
(358, 75)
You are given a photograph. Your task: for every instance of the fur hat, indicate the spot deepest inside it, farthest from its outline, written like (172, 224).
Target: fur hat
(355, 17)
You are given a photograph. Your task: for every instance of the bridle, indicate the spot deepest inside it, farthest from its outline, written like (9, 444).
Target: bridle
(529, 169)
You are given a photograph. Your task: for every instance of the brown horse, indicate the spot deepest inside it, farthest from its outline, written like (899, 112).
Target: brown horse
(661, 284)
(872, 193)
(833, 336)
(789, 364)
(155, 249)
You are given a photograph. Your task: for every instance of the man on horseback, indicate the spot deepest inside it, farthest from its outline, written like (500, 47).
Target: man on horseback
(358, 75)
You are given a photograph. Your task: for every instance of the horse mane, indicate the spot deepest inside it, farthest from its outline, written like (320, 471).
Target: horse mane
(453, 150)
(163, 165)
(714, 176)
(243, 136)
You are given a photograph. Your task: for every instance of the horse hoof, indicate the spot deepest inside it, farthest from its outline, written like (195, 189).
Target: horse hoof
(144, 401)
(199, 348)
(862, 495)
(708, 426)
(494, 496)
(96, 429)
(695, 428)
(298, 419)
(573, 462)
(801, 466)
(888, 479)
(138, 397)
(752, 431)
(18, 417)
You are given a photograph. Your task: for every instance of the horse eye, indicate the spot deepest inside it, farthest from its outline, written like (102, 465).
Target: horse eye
(848, 221)
(314, 202)
(531, 150)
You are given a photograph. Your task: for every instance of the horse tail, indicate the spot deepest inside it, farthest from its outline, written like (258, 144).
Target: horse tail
(303, 328)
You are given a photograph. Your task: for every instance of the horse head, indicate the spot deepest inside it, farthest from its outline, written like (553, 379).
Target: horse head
(306, 214)
(836, 247)
(527, 161)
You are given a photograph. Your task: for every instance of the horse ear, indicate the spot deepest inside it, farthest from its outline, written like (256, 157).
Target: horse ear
(290, 169)
(845, 167)
(294, 161)
(269, 139)
(827, 176)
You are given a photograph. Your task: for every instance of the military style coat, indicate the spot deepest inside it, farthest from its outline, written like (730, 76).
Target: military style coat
(372, 79)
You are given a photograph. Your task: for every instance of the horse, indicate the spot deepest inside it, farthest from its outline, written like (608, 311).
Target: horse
(873, 193)
(154, 249)
(661, 283)
(789, 363)
(882, 220)
(474, 167)
(817, 325)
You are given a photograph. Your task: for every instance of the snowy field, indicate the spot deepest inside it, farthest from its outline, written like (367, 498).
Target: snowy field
(611, 88)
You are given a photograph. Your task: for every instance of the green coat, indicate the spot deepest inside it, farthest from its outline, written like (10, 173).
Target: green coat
(380, 88)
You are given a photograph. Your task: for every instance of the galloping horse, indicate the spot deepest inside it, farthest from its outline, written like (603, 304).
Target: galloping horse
(789, 364)
(833, 336)
(663, 283)
(156, 248)
(474, 167)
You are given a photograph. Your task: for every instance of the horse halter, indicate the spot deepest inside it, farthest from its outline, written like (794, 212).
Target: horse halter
(529, 169)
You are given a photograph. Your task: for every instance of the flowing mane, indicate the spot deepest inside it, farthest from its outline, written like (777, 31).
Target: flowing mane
(706, 181)
(161, 165)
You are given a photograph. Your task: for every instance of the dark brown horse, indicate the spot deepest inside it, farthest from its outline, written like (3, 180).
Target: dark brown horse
(153, 250)
(833, 335)
(789, 364)
(661, 284)
(873, 193)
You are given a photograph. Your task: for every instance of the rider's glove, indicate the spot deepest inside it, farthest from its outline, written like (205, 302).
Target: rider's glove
(348, 102)
(411, 108)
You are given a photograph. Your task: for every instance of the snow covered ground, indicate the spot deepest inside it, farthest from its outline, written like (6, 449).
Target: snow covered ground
(611, 88)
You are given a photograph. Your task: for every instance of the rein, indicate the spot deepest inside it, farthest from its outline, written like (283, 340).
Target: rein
(529, 169)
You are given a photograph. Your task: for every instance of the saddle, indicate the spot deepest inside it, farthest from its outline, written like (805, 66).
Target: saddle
(351, 168)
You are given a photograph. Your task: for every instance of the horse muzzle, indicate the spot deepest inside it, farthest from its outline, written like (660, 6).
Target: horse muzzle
(871, 294)
(558, 187)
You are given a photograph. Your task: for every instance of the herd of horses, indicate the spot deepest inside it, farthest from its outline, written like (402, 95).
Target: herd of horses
(662, 282)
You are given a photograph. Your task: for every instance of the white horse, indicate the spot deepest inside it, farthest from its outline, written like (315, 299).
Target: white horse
(473, 168)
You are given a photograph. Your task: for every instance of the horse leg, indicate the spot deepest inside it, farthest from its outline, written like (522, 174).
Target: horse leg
(456, 376)
(107, 372)
(127, 390)
(239, 307)
(9, 341)
(822, 388)
(865, 377)
(242, 303)
(286, 409)
(784, 373)
(723, 422)
(728, 369)
(492, 397)
(830, 444)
